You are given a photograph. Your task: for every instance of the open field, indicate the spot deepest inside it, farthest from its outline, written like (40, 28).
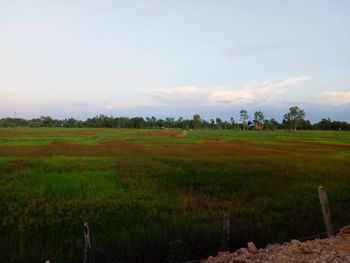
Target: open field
(150, 194)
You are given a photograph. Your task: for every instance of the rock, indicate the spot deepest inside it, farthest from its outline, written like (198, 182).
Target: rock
(252, 248)
(295, 242)
(242, 251)
(345, 231)
(305, 250)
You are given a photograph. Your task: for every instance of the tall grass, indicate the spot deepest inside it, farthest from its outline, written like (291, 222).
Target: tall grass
(165, 201)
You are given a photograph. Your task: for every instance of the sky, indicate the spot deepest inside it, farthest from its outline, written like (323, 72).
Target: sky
(163, 58)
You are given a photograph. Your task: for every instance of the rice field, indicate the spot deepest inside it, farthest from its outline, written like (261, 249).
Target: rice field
(160, 195)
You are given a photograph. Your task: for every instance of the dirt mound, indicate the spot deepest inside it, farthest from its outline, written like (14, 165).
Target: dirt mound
(334, 249)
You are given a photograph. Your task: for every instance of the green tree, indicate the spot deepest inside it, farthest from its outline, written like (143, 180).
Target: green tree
(196, 122)
(258, 117)
(232, 120)
(294, 117)
(271, 124)
(218, 122)
(211, 124)
(244, 118)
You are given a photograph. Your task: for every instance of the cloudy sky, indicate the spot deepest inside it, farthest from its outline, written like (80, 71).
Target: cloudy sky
(174, 58)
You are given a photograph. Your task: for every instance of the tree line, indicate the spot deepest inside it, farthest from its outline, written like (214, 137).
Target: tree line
(293, 119)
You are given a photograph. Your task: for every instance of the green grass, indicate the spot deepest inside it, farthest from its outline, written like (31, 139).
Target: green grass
(155, 198)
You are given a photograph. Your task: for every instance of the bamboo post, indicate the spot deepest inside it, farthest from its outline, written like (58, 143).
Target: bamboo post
(87, 252)
(226, 233)
(326, 211)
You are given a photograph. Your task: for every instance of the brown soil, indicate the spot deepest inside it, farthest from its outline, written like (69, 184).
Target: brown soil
(334, 249)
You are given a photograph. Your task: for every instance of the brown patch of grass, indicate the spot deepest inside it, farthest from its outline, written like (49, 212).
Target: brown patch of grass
(192, 204)
(167, 133)
(56, 148)
(206, 148)
(316, 145)
(15, 166)
(37, 133)
(227, 149)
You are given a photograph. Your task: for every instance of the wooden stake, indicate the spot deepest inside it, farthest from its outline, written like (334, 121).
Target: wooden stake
(87, 252)
(226, 233)
(326, 211)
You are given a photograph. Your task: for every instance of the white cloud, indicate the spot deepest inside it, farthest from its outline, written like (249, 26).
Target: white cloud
(109, 107)
(254, 92)
(182, 91)
(181, 95)
(337, 97)
(263, 92)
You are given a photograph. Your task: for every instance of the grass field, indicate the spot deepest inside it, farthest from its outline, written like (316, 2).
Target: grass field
(151, 195)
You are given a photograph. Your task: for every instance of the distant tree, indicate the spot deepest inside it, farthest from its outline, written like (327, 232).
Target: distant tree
(244, 118)
(170, 122)
(305, 125)
(46, 121)
(137, 122)
(325, 124)
(148, 122)
(258, 117)
(160, 123)
(271, 124)
(196, 122)
(218, 123)
(294, 117)
(13, 122)
(71, 122)
(205, 124)
(180, 123)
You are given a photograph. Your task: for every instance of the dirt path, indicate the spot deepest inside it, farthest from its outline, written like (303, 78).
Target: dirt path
(335, 249)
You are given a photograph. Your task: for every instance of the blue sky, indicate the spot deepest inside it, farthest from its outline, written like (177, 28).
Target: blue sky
(174, 58)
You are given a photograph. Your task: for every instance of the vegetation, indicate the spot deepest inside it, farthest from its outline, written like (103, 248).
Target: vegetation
(244, 118)
(159, 195)
(258, 117)
(294, 119)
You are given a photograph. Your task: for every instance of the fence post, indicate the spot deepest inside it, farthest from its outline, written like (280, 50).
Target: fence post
(326, 211)
(87, 252)
(226, 233)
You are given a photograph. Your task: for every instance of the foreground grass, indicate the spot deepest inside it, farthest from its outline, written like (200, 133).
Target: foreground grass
(144, 193)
